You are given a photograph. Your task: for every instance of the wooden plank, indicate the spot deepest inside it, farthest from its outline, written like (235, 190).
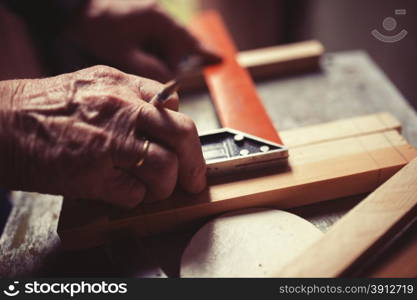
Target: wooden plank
(317, 172)
(353, 237)
(272, 61)
(343, 128)
(282, 60)
(96, 215)
(232, 90)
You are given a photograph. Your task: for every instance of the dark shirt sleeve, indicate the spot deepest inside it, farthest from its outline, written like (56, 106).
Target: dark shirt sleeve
(45, 21)
(5, 209)
(45, 18)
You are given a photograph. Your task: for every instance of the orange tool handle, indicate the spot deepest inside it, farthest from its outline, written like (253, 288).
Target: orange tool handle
(233, 92)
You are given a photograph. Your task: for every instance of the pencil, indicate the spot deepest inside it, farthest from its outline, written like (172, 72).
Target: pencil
(189, 66)
(169, 88)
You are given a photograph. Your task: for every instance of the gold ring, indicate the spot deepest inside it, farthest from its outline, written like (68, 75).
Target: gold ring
(144, 152)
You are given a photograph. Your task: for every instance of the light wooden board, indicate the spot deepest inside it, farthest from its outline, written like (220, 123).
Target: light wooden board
(272, 61)
(284, 59)
(359, 230)
(343, 128)
(318, 172)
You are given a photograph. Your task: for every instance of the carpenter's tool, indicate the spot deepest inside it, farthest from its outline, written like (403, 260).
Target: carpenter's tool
(227, 150)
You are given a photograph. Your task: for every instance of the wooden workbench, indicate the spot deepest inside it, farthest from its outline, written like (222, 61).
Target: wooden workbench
(349, 85)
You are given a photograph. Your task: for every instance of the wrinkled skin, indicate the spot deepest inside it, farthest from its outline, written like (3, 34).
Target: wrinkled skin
(81, 135)
(136, 36)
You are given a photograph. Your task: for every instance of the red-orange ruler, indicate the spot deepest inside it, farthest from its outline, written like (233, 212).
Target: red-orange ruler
(232, 89)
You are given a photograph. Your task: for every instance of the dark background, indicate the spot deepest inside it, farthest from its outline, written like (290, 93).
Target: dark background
(339, 24)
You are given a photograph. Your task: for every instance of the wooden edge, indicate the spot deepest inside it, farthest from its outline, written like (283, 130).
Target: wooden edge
(360, 229)
(309, 182)
(345, 171)
(271, 62)
(390, 121)
(92, 213)
(344, 128)
(82, 220)
(282, 60)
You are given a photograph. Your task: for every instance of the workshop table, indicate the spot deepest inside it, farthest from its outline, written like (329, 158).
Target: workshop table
(348, 85)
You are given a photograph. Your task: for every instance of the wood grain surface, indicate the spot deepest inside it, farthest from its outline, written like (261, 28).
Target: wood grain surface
(317, 171)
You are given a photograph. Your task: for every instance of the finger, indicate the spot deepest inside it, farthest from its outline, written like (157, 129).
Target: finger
(127, 151)
(146, 65)
(177, 131)
(124, 191)
(159, 172)
(148, 88)
(172, 103)
(127, 146)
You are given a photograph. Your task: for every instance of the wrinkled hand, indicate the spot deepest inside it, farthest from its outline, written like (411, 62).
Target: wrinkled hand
(136, 36)
(81, 135)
